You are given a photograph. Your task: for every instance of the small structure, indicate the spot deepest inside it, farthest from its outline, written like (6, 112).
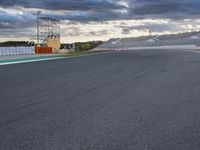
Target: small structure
(54, 43)
(48, 35)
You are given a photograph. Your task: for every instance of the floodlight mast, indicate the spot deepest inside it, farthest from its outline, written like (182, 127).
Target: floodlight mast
(150, 33)
(38, 13)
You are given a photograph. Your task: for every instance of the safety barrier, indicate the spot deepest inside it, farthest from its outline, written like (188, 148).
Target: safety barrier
(43, 50)
(6, 51)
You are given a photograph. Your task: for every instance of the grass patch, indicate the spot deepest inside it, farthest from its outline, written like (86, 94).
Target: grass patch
(78, 53)
(28, 58)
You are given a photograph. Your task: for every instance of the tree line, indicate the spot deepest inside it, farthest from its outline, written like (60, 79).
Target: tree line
(81, 46)
(16, 44)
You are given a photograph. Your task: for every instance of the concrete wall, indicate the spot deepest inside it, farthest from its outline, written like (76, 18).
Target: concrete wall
(6, 51)
(130, 43)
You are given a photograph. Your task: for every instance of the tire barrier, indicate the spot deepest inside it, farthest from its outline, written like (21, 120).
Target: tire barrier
(8, 51)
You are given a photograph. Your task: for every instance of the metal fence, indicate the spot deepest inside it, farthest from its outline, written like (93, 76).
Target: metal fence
(7, 51)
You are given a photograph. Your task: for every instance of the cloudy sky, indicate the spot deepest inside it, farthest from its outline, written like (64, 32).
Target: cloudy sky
(83, 20)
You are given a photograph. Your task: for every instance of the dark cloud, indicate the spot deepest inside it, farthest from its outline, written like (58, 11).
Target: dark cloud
(100, 10)
(85, 11)
(154, 7)
(165, 8)
(80, 5)
(15, 33)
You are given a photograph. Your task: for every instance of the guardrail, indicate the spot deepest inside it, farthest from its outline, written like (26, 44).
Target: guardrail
(6, 51)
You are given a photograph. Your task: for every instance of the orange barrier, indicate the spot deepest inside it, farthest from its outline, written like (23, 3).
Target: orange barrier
(43, 50)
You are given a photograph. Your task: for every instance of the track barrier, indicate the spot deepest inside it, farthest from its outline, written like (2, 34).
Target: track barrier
(43, 50)
(7, 51)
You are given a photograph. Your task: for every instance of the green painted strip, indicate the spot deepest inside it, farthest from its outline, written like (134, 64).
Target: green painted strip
(29, 58)
(41, 58)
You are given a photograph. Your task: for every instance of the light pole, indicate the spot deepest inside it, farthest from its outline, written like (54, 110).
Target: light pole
(150, 32)
(38, 13)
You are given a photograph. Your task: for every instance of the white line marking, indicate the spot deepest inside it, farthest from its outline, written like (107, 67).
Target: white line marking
(45, 59)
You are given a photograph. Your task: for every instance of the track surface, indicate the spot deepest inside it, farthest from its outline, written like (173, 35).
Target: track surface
(130, 100)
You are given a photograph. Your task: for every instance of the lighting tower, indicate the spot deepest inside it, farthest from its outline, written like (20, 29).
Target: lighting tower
(48, 32)
(48, 28)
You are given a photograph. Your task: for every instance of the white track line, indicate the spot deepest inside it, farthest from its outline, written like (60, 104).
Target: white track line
(45, 59)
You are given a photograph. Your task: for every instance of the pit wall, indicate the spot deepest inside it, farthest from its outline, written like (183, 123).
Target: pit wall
(8, 51)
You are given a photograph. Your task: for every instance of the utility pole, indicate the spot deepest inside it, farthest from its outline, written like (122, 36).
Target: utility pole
(150, 32)
(74, 46)
(38, 13)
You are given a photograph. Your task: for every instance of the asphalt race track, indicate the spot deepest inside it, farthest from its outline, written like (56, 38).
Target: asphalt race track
(128, 100)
